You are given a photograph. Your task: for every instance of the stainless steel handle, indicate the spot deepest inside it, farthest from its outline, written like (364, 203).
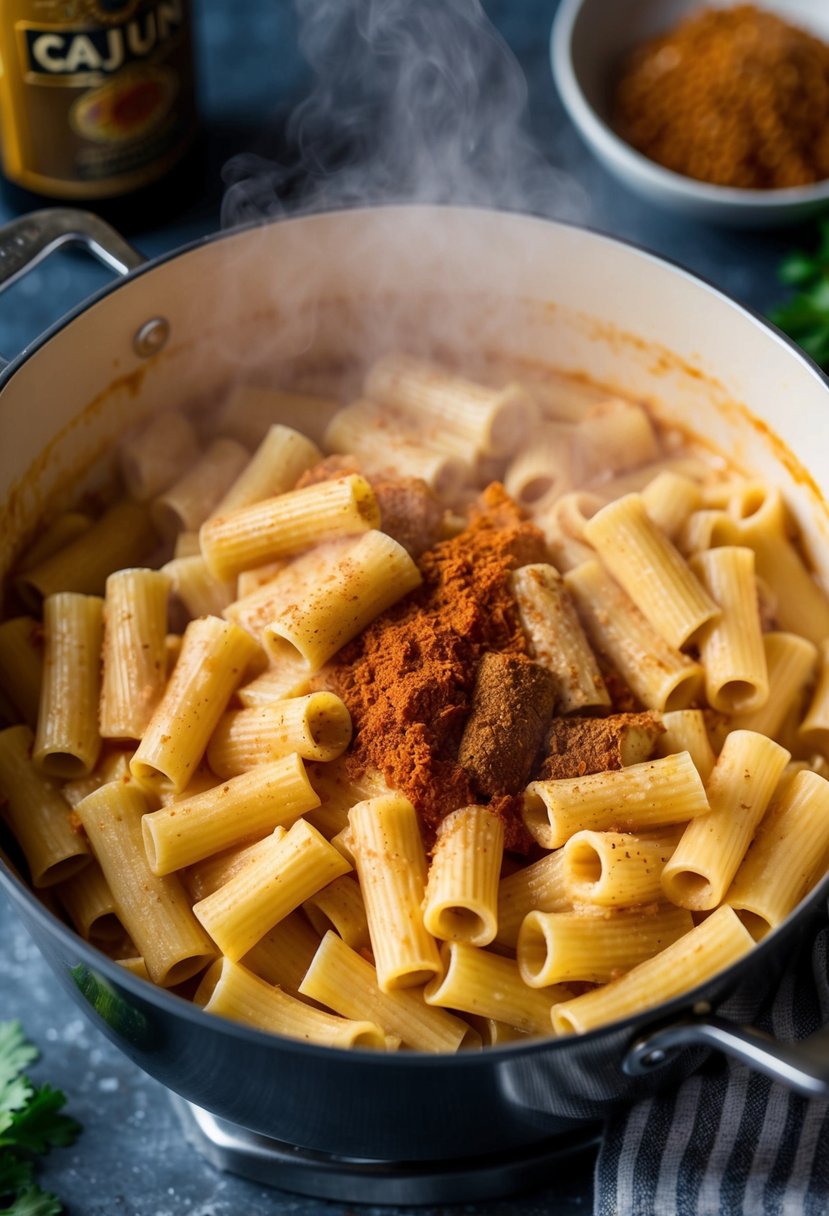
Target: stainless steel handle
(27, 241)
(803, 1067)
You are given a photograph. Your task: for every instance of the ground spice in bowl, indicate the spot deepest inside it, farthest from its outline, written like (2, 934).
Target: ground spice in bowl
(733, 96)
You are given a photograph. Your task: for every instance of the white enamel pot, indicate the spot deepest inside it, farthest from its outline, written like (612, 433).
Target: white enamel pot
(330, 289)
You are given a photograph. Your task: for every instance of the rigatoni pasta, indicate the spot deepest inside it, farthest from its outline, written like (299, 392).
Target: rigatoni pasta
(134, 651)
(327, 791)
(155, 911)
(250, 805)
(286, 872)
(212, 662)
(67, 739)
(280, 526)
(37, 814)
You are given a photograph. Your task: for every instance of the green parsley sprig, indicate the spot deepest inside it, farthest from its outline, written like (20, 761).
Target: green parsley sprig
(805, 316)
(30, 1124)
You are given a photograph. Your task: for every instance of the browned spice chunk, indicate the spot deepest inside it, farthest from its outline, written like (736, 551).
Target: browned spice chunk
(733, 96)
(511, 709)
(578, 746)
(408, 679)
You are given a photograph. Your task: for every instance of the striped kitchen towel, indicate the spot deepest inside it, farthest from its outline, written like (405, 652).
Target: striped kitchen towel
(729, 1142)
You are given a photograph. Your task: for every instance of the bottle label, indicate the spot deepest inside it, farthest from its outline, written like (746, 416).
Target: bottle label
(96, 96)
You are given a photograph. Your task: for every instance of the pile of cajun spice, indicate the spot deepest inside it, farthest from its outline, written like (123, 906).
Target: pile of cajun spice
(409, 678)
(732, 96)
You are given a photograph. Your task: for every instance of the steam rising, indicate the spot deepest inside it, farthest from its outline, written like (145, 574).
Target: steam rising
(413, 101)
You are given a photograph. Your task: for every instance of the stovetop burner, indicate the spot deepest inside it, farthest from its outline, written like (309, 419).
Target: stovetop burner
(364, 1180)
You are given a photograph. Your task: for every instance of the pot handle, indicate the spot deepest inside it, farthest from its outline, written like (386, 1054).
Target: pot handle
(28, 240)
(803, 1066)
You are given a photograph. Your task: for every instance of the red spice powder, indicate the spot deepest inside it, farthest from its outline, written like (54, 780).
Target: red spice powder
(408, 678)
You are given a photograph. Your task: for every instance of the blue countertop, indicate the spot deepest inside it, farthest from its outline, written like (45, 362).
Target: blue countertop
(132, 1157)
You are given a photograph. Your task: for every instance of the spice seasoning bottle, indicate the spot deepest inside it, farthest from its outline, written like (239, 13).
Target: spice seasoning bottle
(96, 100)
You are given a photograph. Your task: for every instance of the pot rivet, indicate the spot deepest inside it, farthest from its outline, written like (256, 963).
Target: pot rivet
(151, 337)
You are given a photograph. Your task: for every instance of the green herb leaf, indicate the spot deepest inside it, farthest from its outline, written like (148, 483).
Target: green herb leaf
(39, 1127)
(30, 1123)
(805, 315)
(797, 269)
(15, 1055)
(15, 1175)
(34, 1202)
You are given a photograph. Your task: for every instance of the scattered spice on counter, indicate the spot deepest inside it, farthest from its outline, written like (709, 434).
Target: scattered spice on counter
(409, 679)
(733, 96)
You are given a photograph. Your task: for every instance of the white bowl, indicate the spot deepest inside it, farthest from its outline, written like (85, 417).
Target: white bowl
(589, 37)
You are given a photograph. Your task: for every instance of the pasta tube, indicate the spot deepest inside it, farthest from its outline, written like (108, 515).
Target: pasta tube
(731, 648)
(616, 869)
(790, 662)
(462, 416)
(340, 907)
(814, 729)
(37, 814)
(57, 534)
(317, 726)
(212, 662)
(711, 848)
(236, 993)
(344, 981)
(544, 469)
(636, 798)
(155, 911)
(135, 653)
(243, 808)
(391, 865)
(802, 607)
(201, 593)
(67, 741)
(251, 409)
(205, 877)
(183, 507)
(158, 454)
(706, 529)
(787, 856)
(659, 675)
(651, 570)
(21, 664)
(461, 902)
(612, 436)
(289, 581)
(91, 907)
(276, 465)
(708, 948)
(287, 524)
(371, 576)
(369, 432)
(554, 947)
(283, 956)
(123, 536)
(292, 867)
(485, 984)
(539, 885)
(288, 678)
(669, 499)
(685, 731)
(551, 623)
